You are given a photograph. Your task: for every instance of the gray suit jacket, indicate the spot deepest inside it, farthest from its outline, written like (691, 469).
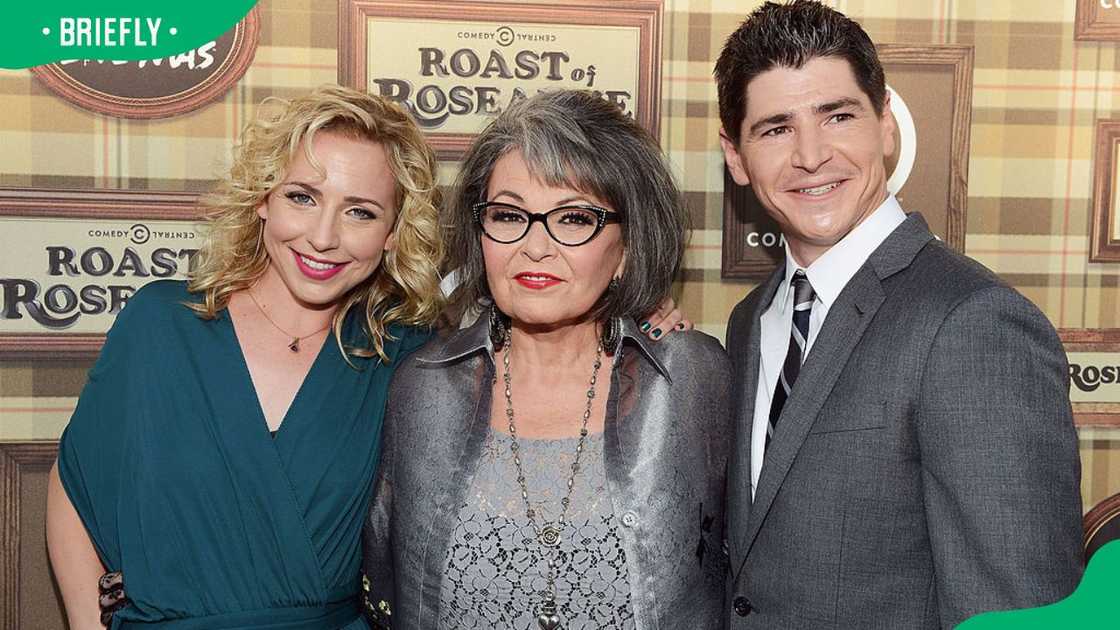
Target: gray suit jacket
(925, 467)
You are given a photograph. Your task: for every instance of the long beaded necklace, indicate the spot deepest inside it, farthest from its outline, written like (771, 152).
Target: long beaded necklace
(548, 535)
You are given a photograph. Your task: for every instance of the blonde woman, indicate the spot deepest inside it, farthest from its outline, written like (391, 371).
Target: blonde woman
(220, 455)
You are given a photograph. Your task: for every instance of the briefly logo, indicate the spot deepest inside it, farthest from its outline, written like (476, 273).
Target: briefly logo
(108, 31)
(505, 35)
(1089, 378)
(151, 88)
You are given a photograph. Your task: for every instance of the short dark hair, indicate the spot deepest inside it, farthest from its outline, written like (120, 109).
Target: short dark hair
(789, 36)
(576, 139)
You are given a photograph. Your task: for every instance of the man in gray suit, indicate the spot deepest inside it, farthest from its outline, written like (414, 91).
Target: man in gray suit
(905, 455)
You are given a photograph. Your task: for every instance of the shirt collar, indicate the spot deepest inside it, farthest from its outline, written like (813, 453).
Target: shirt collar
(476, 338)
(830, 273)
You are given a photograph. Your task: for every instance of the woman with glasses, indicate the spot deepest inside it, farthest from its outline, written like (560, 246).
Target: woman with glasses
(548, 466)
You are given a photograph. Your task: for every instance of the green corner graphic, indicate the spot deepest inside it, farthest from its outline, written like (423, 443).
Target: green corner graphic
(1090, 606)
(127, 30)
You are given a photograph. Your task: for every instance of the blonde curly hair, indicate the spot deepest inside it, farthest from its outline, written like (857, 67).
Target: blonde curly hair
(405, 287)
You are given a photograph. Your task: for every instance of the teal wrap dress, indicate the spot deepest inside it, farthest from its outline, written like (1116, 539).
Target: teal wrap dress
(213, 522)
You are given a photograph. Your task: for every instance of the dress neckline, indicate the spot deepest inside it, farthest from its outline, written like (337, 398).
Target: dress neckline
(567, 439)
(292, 412)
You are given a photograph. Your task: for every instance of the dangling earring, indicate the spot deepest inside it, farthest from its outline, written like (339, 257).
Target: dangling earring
(612, 329)
(612, 334)
(499, 331)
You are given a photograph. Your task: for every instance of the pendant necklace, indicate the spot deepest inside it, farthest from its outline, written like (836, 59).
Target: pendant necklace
(294, 345)
(548, 534)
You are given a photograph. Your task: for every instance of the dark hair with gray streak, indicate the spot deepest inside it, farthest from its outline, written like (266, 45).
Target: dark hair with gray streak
(789, 36)
(576, 139)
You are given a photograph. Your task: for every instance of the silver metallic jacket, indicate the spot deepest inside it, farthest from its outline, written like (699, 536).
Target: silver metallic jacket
(665, 449)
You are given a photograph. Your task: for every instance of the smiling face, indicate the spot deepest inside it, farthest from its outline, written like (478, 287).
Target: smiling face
(811, 147)
(325, 233)
(537, 281)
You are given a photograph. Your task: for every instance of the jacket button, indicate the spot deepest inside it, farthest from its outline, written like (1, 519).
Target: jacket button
(742, 606)
(629, 519)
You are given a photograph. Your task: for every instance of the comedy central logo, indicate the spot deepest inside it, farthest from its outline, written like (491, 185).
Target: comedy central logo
(139, 233)
(505, 36)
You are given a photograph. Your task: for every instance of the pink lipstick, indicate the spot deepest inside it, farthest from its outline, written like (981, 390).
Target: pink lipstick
(315, 268)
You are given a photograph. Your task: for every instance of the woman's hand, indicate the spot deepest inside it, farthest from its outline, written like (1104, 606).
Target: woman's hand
(666, 318)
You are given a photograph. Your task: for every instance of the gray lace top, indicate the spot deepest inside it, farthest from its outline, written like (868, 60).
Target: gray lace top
(495, 568)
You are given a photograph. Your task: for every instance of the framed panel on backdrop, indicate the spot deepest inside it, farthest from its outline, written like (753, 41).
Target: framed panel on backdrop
(931, 102)
(28, 597)
(1097, 20)
(1094, 374)
(76, 256)
(157, 88)
(457, 64)
(1104, 234)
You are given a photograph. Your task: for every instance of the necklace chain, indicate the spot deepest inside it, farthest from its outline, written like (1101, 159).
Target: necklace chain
(548, 534)
(294, 345)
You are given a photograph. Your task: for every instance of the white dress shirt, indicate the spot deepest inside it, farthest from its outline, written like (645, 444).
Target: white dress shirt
(828, 275)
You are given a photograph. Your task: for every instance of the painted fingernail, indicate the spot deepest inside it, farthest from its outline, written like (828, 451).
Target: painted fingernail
(656, 333)
(680, 325)
(645, 326)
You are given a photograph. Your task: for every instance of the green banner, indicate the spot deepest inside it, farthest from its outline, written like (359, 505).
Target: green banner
(1092, 605)
(127, 30)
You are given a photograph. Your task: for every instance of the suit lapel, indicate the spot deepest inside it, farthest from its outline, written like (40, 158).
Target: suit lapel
(847, 320)
(746, 355)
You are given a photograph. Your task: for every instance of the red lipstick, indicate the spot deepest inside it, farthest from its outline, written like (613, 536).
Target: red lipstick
(533, 280)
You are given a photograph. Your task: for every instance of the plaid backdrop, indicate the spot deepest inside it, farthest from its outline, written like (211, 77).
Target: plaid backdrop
(1036, 96)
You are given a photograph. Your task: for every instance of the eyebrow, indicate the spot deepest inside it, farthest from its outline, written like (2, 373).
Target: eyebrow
(509, 193)
(563, 202)
(840, 103)
(348, 198)
(776, 119)
(823, 108)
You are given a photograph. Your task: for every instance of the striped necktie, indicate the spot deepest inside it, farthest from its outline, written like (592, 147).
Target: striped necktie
(798, 338)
